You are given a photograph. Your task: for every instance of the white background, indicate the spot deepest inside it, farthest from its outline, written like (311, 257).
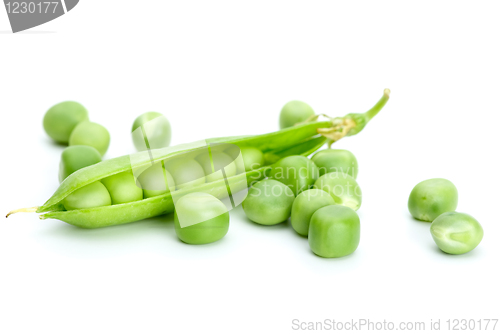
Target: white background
(218, 68)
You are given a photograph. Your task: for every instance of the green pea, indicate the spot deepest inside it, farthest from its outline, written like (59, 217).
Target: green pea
(296, 171)
(200, 218)
(60, 120)
(90, 134)
(221, 161)
(185, 172)
(294, 112)
(92, 195)
(432, 197)
(456, 233)
(268, 202)
(123, 188)
(156, 181)
(334, 231)
(304, 205)
(157, 131)
(332, 160)
(252, 157)
(342, 187)
(77, 157)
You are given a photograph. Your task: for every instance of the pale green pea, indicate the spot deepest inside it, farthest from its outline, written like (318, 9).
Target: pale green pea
(186, 172)
(294, 112)
(334, 231)
(156, 128)
(200, 218)
(123, 188)
(304, 206)
(156, 181)
(221, 161)
(91, 134)
(456, 233)
(297, 172)
(90, 196)
(268, 202)
(77, 157)
(334, 160)
(431, 198)
(342, 187)
(60, 120)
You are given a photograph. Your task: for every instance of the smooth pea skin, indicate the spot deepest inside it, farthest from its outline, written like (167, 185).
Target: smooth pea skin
(297, 172)
(200, 218)
(456, 233)
(334, 231)
(77, 157)
(253, 158)
(304, 206)
(294, 112)
(90, 196)
(91, 134)
(156, 181)
(268, 202)
(157, 131)
(186, 172)
(123, 188)
(60, 120)
(431, 198)
(342, 187)
(333, 160)
(221, 161)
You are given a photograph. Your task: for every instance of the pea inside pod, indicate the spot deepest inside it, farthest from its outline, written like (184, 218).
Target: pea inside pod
(297, 172)
(123, 188)
(90, 196)
(156, 181)
(77, 157)
(213, 164)
(186, 172)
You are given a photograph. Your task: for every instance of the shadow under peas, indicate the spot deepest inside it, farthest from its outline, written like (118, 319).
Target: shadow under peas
(26, 32)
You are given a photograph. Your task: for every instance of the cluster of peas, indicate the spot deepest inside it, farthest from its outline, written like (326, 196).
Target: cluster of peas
(320, 194)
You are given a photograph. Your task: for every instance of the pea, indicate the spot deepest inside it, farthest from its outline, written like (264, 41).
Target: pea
(268, 202)
(333, 160)
(294, 112)
(432, 197)
(297, 172)
(156, 181)
(185, 172)
(90, 196)
(456, 233)
(200, 218)
(251, 158)
(157, 131)
(123, 188)
(221, 161)
(60, 120)
(334, 231)
(90, 134)
(342, 187)
(77, 157)
(304, 205)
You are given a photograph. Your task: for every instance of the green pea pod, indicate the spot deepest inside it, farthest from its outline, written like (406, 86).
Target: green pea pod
(302, 139)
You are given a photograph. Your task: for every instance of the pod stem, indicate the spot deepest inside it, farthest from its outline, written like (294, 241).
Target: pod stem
(379, 105)
(32, 209)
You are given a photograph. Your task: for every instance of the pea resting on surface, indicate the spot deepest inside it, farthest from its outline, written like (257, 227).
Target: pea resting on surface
(342, 187)
(294, 112)
(186, 172)
(432, 197)
(297, 172)
(456, 233)
(200, 218)
(268, 202)
(90, 134)
(155, 181)
(334, 231)
(221, 161)
(60, 120)
(333, 160)
(304, 206)
(77, 157)
(90, 196)
(157, 131)
(122, 188)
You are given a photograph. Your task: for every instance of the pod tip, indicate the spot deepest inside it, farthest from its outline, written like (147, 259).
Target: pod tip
(387, 92)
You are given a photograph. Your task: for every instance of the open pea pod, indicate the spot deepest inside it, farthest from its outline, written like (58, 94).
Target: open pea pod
(302, 139)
